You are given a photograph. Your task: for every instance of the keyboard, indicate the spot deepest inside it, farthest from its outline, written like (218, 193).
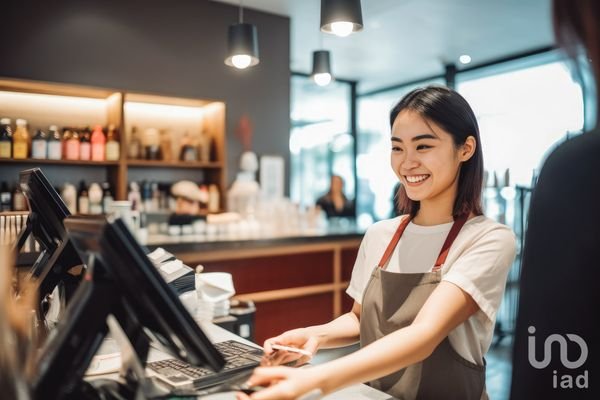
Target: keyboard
(178, 374)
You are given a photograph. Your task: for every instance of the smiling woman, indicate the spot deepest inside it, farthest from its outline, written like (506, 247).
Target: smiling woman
(434, 127)
(426, 285)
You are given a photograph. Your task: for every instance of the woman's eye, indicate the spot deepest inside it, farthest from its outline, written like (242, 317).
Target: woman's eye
(396, 149)
(423, 147)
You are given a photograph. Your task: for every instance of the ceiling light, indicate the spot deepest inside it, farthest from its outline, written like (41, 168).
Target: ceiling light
(465, 59)
(321, 72)
(341, 17)
(242, 41)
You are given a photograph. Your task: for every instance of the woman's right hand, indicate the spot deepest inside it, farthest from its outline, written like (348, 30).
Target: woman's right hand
(300, 338)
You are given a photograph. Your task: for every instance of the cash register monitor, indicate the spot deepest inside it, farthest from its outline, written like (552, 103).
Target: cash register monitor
(45, 223)
(121, 281)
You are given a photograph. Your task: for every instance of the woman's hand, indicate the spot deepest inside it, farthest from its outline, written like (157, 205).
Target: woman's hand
(299, 338)
(282, 383)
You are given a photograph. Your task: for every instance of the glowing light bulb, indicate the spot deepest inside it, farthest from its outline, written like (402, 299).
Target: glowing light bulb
(241, 61)
(465, 59)
(342, 29)
(322, 79)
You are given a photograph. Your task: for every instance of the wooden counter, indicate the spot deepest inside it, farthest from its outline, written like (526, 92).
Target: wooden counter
(294, 282)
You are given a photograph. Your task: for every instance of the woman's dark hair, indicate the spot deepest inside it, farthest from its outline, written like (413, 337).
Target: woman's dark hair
(451, 112)
(576, 26)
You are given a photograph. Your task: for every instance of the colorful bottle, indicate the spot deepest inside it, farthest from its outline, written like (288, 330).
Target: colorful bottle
(134, 148)
(113, 148)
(39, 145)
(98, 144)
(85, 145)
(54, 144)
(6, 138)
(21, 141)
(71, 145)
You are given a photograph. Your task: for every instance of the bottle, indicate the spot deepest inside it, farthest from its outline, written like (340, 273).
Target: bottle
(213, 198)
(5, 197)
(83, 202)
(113, 148)
(107, 197)
(152, 144)
(134, 149)
(166, 149)
(21, 141)
(98, 144)
(188, 151)
(19, 202)
(39, 145)
(6, 138)
(69, 196)
(54, 144)
(95, 198)
(134, 196)
(204, 147)
(85, 145)
(71, 138)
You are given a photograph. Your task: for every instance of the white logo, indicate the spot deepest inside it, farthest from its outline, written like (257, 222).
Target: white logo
(563, 350)
(565, 381)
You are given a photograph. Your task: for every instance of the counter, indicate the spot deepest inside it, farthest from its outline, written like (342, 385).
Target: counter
(295, 281)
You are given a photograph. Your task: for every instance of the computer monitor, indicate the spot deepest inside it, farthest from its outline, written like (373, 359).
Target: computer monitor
(121, 281)
(45, 223)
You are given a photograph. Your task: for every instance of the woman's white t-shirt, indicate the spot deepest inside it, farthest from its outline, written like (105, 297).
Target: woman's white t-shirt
(478, 262)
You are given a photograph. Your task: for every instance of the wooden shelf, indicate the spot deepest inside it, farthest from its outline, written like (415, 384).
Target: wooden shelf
(173, 164)
(60, 162)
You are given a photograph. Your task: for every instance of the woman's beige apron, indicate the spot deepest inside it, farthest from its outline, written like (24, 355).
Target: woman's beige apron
(391, 301)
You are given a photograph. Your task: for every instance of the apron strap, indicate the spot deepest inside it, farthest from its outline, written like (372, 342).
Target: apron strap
(456, 227)
(394, 242)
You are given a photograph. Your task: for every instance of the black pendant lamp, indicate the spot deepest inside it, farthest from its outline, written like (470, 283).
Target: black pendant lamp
(321, 71)
(242, 40)
(341, 17)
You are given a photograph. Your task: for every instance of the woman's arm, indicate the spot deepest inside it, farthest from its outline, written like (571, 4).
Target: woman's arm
(446, 308)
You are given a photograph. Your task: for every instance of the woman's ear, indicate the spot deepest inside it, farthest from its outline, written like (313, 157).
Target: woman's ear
(467, 149)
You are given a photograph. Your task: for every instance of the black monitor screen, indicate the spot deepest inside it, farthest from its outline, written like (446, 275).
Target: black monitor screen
(145, 295)
(47, 211)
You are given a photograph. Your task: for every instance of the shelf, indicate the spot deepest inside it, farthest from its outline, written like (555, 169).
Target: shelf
(174, 164)
(60, 162)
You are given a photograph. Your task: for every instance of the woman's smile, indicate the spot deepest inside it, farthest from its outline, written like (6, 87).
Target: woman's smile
(416, 180)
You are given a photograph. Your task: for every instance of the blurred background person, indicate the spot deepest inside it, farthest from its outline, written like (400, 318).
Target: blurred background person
(334, 202)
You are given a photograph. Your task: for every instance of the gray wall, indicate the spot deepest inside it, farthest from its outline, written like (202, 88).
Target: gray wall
(166, 47)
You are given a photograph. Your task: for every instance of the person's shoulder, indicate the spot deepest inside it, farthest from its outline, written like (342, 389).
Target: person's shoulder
(570, 155)
(485, 228)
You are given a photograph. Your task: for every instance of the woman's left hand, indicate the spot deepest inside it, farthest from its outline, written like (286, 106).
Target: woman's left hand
(283, 383)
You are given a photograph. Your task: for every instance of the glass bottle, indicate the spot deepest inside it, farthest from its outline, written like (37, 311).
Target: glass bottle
(6, 138)
(5, 197)
(21, 140)
(39, 145)
(98, 144)
(113, 148)
(152, 144)
(19, 202)
(134, 148)
(69, 196)
(107, 197)
(188, 151)
(54, 144)
(166, 149)
(71, 144)
(83, 201)
(85, 145)
(95, 198)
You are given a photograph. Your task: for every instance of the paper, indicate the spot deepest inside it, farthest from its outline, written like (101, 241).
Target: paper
(156, 254)
(214, 286)
(171, 266)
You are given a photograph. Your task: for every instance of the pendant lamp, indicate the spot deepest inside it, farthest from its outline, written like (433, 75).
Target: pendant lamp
(321, 71)
(242, 40)
(341, 17)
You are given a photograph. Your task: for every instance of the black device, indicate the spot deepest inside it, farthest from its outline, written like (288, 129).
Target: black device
(45, 223)
(122, 281)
